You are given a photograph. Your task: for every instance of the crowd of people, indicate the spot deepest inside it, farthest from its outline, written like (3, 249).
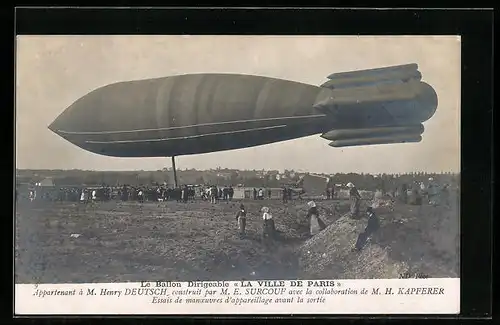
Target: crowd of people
(214, 194)
(160, 193)
(417, 193)
(107, 193)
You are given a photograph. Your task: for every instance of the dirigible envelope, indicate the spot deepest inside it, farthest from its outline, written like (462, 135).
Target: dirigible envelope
(200, 113)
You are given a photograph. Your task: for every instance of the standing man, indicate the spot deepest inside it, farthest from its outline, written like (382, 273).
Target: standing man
(423, 190)
(140, 196)
(213, 194)
(432, 192)
(404, 194)
(261, 194)
(186, 194)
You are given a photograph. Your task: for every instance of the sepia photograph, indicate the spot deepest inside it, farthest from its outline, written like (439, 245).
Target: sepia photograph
(236, 158)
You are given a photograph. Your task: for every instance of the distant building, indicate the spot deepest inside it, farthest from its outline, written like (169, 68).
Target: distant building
(47, 182)
(344, 194)
(273, 173)
(224, 175)
(314, 185)
(247, 192)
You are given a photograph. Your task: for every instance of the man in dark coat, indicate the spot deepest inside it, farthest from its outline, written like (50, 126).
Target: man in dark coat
(372, 226)
(285, 195)
(185, 196)
(404, 194)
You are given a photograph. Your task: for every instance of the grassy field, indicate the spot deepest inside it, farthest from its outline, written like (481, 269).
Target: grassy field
(121, 242)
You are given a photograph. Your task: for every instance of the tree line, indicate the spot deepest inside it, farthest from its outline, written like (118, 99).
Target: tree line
(231, 177)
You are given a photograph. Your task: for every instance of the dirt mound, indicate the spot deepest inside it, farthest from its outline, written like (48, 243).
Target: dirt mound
(329, 255)
(413, 240)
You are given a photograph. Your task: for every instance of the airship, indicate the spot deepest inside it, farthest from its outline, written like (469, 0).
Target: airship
(200, 113)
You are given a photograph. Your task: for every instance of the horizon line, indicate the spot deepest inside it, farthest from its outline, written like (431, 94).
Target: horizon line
(237, 169)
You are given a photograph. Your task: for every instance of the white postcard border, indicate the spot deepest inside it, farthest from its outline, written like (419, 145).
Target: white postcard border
(394, 296)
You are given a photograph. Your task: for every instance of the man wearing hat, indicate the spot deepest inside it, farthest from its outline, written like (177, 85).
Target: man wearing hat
(432, 192)
(372, 226)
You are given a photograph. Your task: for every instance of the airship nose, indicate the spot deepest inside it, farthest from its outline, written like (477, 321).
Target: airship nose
(57, 126)
(54, 126)
(60, 124)
(80, 116)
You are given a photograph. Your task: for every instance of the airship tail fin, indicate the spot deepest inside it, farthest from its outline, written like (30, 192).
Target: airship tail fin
(374, 141)
(373, 136)
(391, 75)
(380, 111)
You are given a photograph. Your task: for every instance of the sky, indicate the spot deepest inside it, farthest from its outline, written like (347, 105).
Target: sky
(54, 71)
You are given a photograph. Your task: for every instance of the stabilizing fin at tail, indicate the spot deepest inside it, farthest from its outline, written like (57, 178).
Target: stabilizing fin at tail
(376, 140)
(371, 136)
(394, 74)
(345, 134)
(377, 106)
